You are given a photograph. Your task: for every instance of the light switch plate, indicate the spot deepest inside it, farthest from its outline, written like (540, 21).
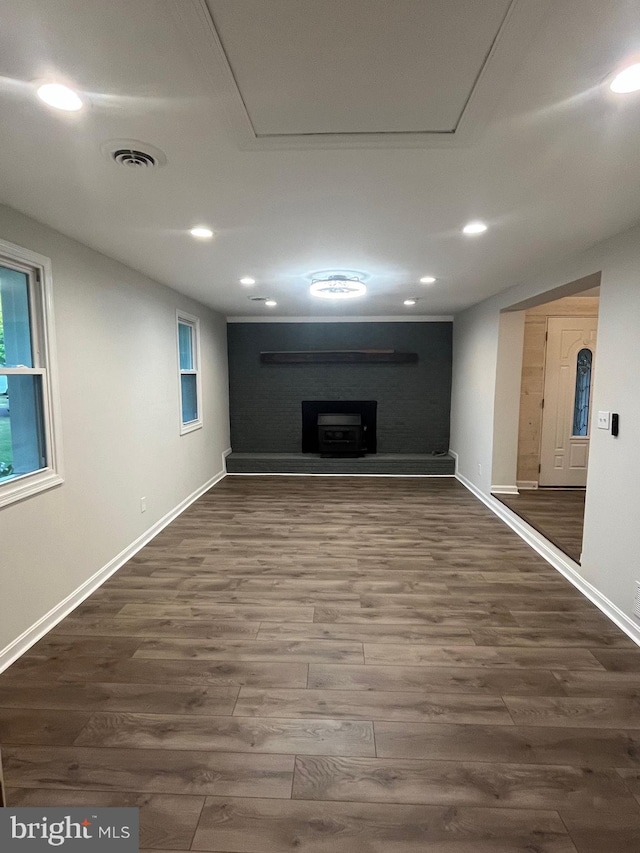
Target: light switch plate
(604, 420)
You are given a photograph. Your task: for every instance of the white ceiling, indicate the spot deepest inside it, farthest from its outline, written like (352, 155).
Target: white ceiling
(364, 66)
(549, 158)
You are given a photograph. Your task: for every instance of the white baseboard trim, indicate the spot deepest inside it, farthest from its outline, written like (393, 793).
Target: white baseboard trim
(557, 558)
(527, 484)
(298, 474)
(504, 490)
(24, 642)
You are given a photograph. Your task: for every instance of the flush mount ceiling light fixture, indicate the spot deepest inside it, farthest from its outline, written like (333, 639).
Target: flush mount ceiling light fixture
(247, 280)
(60, 97)
(201, 232)
(337, 287)
(475, 227)
(627, 80)
(427, 279)
(409, 301)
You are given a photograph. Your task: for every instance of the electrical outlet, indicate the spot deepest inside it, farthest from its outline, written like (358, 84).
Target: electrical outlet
(604, 420)
(143, 504)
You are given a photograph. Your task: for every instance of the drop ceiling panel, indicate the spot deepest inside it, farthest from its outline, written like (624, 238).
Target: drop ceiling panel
(327, 67)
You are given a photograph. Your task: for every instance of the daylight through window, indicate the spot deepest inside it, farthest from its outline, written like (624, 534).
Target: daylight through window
(28, 457)
(189, 372)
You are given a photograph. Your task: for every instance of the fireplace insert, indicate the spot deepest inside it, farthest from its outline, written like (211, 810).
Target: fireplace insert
(340, 435)
(323, 420)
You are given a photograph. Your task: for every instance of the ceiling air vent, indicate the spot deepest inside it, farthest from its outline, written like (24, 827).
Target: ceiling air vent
(133, 154)
(133, 158)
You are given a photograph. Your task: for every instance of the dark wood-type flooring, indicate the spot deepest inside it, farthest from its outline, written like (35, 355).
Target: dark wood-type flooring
(557, 513)
(336, 665)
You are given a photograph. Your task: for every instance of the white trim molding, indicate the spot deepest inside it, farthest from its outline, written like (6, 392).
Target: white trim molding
(27, 639)
(312, 474)
(504, 490)
(42, 335)
(184, 319)
(392, 318)
(555, 557)
(527, 484)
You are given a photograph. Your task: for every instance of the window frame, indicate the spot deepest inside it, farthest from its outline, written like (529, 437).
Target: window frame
(182, 317)
(43, 345)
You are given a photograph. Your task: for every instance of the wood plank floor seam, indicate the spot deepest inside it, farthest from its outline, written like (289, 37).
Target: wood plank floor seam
(347, 665)
(560, 817)
(197, 823)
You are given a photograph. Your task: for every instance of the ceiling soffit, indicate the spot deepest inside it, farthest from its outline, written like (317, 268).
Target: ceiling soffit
(459, 114)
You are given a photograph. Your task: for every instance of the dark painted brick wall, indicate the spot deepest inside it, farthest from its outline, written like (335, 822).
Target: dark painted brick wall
(413, 399)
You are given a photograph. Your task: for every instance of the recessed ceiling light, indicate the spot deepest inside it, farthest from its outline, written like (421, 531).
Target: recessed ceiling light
(627, 81)
(410, 301)
(60, 97)
(270, 303)
(247, 280)
(201, 232)
(427, 279)
(476, 227)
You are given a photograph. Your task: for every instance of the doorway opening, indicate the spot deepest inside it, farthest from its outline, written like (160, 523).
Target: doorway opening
(555, 414)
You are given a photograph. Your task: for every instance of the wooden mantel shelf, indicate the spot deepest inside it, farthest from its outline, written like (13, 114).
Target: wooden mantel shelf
(339, 356)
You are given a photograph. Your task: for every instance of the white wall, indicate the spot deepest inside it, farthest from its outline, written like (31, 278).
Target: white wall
(506, 407)
(612, 540)
(117, 363)
(475, 352)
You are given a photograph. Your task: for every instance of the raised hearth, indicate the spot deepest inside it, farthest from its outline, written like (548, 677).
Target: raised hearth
(399, 464)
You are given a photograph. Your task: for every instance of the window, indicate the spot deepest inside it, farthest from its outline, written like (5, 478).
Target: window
(189, 372)
(582, 399)
(30, 455)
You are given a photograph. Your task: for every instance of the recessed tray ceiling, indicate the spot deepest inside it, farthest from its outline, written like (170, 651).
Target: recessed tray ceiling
(326, 67)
